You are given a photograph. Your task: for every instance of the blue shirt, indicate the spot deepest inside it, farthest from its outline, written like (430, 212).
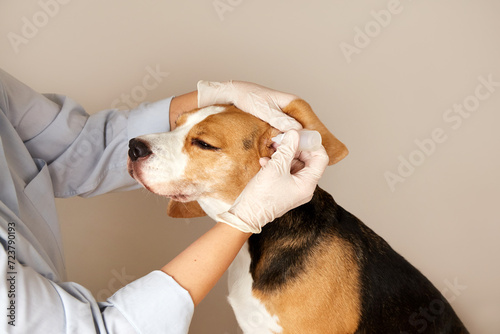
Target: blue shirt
(50, 147)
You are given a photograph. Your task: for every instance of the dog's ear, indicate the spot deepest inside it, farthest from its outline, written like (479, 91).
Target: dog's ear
(303, 113)
(184, 210)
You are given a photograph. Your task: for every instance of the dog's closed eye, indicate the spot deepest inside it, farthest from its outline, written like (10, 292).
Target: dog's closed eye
(203, 145)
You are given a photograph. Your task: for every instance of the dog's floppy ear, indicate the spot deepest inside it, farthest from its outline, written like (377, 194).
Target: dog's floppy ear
(303, 113)
(184, 210)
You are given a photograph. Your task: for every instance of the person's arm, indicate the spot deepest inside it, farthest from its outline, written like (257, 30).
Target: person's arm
(181, 104)
(32, 288)
(86, 154)
(198, 268)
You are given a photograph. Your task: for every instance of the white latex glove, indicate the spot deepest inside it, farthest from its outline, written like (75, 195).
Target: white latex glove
(259, 101)
(275, 190)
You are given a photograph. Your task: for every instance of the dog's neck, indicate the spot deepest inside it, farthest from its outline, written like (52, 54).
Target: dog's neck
(213, 207)
(303, 227)
(293, 236)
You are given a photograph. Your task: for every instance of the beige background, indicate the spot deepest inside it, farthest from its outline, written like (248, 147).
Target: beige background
(395, 89)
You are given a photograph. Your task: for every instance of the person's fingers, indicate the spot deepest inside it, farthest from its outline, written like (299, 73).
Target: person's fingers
(282, 159)
(260, 101)
(268, 110)
(315, 164)
(296, 166)
(263, 161)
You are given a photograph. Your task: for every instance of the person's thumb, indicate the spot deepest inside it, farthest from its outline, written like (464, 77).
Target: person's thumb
(282, 159)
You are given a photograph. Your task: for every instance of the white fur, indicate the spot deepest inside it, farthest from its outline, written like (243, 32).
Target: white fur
(163, 171)
(251, 314)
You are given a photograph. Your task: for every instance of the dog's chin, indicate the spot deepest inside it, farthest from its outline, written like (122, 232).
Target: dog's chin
(178, 191)
(175, 193)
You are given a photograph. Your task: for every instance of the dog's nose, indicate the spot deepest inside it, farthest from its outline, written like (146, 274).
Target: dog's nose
(138, 149)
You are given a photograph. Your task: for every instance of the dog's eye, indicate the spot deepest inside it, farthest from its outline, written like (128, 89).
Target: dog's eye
(203, 145)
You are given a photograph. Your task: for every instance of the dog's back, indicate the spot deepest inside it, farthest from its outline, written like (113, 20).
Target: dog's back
(319, 269)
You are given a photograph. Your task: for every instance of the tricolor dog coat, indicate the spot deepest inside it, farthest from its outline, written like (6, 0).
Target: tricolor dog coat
(317, 269)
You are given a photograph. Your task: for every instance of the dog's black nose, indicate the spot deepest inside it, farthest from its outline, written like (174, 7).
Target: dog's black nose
(138, 149)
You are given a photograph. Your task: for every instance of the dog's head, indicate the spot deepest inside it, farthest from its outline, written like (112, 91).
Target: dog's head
(212, 154)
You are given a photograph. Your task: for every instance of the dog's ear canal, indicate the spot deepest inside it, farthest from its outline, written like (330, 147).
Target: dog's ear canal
(303, 113)
(184, 209)
(265, 142)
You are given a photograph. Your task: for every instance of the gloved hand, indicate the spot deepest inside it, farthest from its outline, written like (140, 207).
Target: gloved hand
(259, 101)
(274, 190)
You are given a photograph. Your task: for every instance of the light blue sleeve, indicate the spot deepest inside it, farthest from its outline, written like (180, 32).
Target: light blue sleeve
(91, 158)
(33, 304)
(86, 154)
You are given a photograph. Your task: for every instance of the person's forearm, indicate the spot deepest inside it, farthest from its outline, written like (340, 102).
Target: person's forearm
(181, 104)
(198, 268)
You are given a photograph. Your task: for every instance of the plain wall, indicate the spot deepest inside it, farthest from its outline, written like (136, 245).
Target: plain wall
(387, 77)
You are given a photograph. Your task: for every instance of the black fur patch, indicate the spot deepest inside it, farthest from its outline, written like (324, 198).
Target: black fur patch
(395, 296)
(247, 143)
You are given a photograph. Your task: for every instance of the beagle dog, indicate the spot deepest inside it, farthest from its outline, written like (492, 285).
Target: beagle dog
(317, 269)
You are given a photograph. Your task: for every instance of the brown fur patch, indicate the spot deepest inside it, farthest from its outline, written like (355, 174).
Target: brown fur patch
(235, 134)
(303, 113)
(177, 209)
(325, 298)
